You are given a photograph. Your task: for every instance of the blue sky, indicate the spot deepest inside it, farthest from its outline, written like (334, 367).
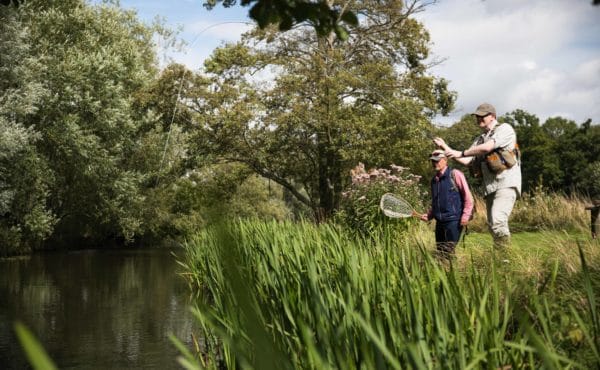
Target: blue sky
(202, 29)
(539, 55)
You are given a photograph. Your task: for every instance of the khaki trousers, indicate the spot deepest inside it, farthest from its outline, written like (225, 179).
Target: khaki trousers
(499, 206)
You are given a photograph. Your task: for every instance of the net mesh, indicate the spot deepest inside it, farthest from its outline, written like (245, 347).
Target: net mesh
(392, 206)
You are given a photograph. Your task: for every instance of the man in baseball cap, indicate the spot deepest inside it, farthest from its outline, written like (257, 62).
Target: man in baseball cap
(437, 155)
(451, 204)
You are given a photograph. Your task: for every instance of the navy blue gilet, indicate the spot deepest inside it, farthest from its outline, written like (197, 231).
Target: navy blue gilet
(447, 203)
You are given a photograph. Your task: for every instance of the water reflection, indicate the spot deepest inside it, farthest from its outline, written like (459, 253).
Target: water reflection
(95, 309)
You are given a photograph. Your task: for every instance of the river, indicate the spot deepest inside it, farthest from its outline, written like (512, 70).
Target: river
(96, 309)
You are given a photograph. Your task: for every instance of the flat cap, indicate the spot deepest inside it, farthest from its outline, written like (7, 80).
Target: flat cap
(484, 109)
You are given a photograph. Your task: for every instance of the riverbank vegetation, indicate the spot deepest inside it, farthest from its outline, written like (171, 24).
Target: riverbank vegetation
(300, 295)
(283, 295)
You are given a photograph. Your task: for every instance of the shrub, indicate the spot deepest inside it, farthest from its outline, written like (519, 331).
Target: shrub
(359, 208)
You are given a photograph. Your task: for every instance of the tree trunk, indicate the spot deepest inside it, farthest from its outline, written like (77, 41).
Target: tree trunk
(330, 184)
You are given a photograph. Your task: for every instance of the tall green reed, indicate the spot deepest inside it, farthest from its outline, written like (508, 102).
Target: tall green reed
(305, 296)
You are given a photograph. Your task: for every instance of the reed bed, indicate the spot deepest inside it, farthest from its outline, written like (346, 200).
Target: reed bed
(300, 296)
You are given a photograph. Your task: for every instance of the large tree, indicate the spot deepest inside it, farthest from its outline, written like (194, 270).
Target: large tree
(88, 63)
(302, 110)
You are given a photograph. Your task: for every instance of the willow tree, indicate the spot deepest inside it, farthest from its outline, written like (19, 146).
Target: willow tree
(88, 63)
(302, 110)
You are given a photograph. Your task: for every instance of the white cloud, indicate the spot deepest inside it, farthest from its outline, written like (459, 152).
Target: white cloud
(539, 55)
(529, 65)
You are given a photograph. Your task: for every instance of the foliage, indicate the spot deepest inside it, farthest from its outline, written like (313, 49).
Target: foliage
(359, 210)
(286, 14)
(25, 221)
(326, 105)
(25, 180)
(259, 198)
(313, 297)
(89, 128)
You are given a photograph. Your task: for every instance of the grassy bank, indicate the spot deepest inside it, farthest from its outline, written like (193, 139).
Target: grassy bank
(541, 211)
(283, 295)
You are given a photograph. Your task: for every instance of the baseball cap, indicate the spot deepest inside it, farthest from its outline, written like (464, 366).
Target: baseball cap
(437, 155)
(484, 109)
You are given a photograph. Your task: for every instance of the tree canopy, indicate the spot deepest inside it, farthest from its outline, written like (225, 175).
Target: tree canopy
(325, 105)
(71, 73)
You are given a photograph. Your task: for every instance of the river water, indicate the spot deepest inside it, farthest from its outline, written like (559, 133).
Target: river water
(110, 309)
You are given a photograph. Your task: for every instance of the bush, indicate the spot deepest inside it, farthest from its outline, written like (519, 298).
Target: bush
(359, 209)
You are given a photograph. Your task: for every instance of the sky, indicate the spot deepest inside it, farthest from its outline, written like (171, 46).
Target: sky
(542, 56)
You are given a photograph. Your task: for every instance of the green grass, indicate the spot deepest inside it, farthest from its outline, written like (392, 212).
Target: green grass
(283, 295)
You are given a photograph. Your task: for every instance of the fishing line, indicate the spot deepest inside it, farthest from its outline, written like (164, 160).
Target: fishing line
(183, 79)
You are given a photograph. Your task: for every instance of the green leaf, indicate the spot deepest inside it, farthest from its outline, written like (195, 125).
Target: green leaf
(37, 356)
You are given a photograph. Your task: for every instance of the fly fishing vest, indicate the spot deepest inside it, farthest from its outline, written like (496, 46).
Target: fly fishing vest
(447, 203)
